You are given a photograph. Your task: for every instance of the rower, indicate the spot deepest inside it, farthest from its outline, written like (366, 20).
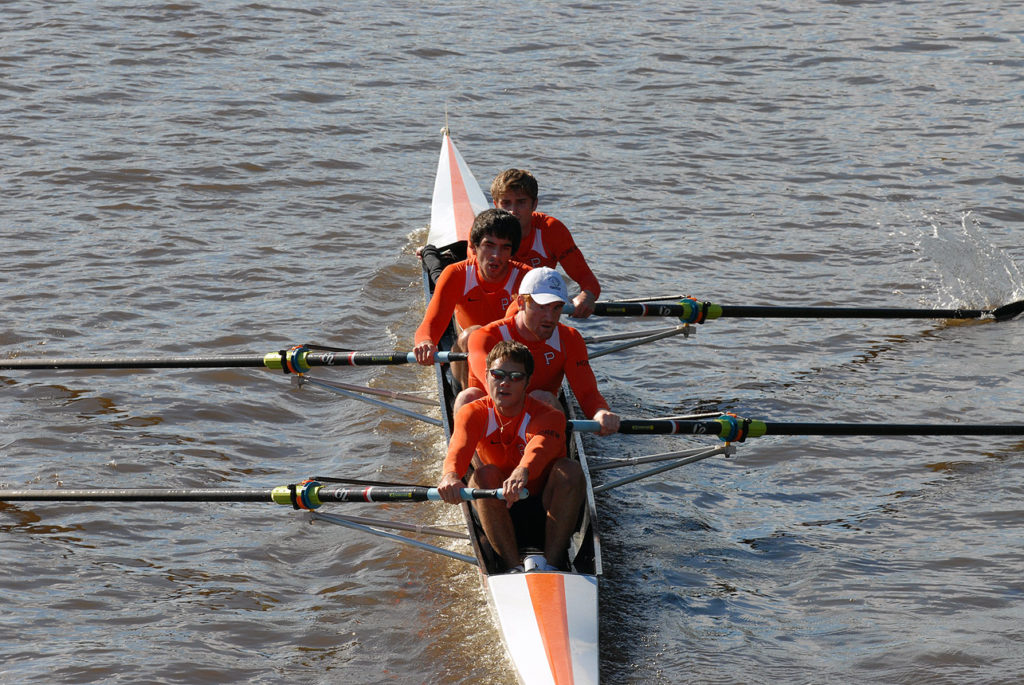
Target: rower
(545, 240)
(519, 442)
(558, 350)
(476, 290)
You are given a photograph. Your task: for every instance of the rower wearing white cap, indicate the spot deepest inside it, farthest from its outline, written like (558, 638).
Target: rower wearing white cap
(558, 350)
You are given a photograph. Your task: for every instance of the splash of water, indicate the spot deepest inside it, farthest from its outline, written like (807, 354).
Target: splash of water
(973, 271)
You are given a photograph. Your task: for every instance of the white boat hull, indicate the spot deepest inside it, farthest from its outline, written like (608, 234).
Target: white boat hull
(548, 621)
(549, 624)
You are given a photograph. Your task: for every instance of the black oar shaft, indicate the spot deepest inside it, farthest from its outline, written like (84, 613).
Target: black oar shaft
(883, 429)
(729, 427)
(293, 361)
(248, 361)
(714, 311)
(766, 312)
(140, 495)
(307, 495)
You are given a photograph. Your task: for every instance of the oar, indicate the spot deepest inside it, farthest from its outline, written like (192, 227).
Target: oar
(735, 429)
(296, 360)
(692, 311)
(309, 495)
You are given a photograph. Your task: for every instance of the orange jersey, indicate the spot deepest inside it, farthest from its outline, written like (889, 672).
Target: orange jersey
(532, 439)
(550, 244)
(563, 355)
(473, 301)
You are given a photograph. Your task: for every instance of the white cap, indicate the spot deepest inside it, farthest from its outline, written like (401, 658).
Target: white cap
(544, 285)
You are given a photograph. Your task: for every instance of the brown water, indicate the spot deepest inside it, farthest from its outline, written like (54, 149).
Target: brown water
(216, 178)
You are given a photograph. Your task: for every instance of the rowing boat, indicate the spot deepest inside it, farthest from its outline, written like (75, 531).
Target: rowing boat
(548, 620)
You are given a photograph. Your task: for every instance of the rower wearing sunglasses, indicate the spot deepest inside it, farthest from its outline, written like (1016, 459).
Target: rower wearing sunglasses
(558, 350)
(520, 443)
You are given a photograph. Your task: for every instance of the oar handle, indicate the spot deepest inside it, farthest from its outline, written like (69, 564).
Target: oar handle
(367, 358)
(379, 493)
(654, 427)
(689, 311)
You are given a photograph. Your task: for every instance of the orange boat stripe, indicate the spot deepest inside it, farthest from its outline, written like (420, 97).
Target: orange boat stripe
(547, 592)
(463, 210)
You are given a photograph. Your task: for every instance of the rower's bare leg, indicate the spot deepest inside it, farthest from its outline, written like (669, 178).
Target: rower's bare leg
(494, 516)
(563, 499)
(548, 399)
(461, 369)
(465, 397)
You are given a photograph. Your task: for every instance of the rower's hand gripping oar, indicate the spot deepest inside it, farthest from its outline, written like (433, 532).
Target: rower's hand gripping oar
(731, 428)
(690, 310)
(298, 359)
(308, 495)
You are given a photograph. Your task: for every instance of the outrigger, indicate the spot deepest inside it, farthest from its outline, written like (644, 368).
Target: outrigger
(554, 614)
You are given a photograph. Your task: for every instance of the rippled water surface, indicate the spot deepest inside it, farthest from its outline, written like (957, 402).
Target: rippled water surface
(224, 178)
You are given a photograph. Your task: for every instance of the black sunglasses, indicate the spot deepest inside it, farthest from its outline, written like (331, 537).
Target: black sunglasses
(501, 374)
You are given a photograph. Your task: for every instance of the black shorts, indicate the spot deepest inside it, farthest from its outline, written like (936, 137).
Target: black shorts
(529, 519)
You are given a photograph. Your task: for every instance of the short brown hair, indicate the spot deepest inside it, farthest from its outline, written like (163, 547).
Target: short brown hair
(497, 223)
(514, 179)
(514, 352)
